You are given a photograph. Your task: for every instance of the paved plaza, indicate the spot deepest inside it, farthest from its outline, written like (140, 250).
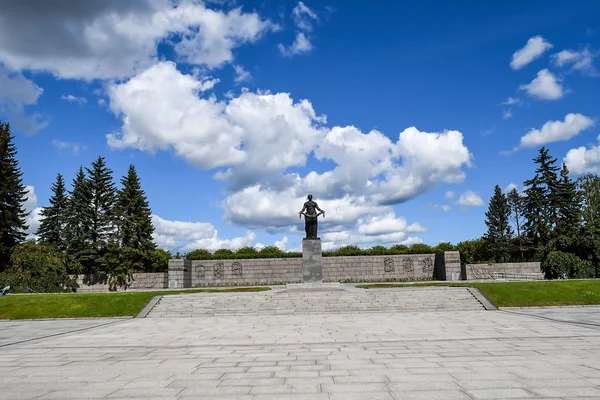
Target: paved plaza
(351, 354)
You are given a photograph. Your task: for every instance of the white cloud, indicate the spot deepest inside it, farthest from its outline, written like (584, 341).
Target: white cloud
(533, 49)
(282, 244)
(16, 93)
(580, 60)
(241, 75)
(510, 101)
(386, 223)
(301, 45)
(450, 195)
(194, 235)
(304, 16)
(74, 99)
(582, 160)
(445, 207)
(114, 38)
(470, 199)
(71, 146)
(556, 131)
(34, 217)
(510, 187)
(545, 86)
(507, 114)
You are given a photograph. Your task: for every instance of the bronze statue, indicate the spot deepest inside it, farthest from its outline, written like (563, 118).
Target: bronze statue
(310, 217)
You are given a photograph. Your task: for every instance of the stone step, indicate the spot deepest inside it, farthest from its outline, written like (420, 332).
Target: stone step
(294, 301)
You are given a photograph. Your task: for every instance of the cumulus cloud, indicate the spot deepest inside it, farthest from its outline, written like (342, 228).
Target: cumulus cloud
(581, 60)
(470, 199)
(114, 38)
(545, 86)
(301, 45)
(187, 236)
(533, 49)
(16, 93)
(582, 159)
(556, 131)
(34, 218)
(507, 114)
(282, 244)
(450, 195)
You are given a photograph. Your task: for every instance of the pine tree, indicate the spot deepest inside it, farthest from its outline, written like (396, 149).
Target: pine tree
(133, 219)
(53, 225)
(568, 205)
(515, 202)
(542, 199)
(589, 190)
(101, 223)
(13, 194)
(499, 232)
(79, 221)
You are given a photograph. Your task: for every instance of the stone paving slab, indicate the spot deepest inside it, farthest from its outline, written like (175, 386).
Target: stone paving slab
(390, 356)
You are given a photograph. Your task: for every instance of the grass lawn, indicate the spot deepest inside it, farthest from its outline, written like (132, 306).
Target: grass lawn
(526, 294)
(78, 305)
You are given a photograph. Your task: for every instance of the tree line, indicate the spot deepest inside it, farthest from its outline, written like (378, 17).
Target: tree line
(554, 220)
(92, 228)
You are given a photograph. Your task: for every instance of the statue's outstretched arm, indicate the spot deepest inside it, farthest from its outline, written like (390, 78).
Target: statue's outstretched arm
(301, 211)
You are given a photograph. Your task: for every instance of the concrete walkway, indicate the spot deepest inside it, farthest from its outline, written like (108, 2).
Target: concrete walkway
(473, 354)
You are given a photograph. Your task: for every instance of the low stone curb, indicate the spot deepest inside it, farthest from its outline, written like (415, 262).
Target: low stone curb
(482, 299)
(148, 307)
(550, 307)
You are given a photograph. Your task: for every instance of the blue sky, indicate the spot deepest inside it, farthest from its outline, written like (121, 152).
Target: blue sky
(400, 119)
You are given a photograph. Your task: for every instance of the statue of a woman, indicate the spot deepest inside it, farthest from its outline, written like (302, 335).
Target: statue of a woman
(310, 217)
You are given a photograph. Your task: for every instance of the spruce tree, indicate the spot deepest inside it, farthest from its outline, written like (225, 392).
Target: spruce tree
(79, 221)
(499, 231)
(52, 230)
(542, 199)
(133, 219)
(101, 223)
(515, 202)
(13, 194)
(568, 205)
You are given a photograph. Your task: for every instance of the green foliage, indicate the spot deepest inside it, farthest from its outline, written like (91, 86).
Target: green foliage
(568, 203)
(444, 246)
(53, 225)
(345, 251)
(515, 203)
(199, 254)
(223, 254)
(542, 199)
(40, 268)
(499, 232)
(102, 190)
(560, 265)
(378, 250)
(270, 252)
(420, 248)
(159, 260)
(78, 217)
(131, 246)
(248, 252)
(473, 251)
(13, 194)
(399, 249)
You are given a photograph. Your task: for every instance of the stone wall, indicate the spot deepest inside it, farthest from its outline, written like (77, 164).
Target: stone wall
(99, 283)
(510, 271)
(196, 273)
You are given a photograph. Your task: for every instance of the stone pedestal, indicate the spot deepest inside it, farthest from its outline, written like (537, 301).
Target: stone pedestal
(311, 257)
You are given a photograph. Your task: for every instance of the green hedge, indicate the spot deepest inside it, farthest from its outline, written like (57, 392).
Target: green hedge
(274, 252)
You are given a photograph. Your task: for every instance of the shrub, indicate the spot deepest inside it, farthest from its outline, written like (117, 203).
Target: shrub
(270, 252)
(199, 254)
(246, 252)
(444, 246)
(378, 250)
(399, 249)
(420, 248)
(223, 254)
(559, 265)
(41, 269)
(159, 260)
